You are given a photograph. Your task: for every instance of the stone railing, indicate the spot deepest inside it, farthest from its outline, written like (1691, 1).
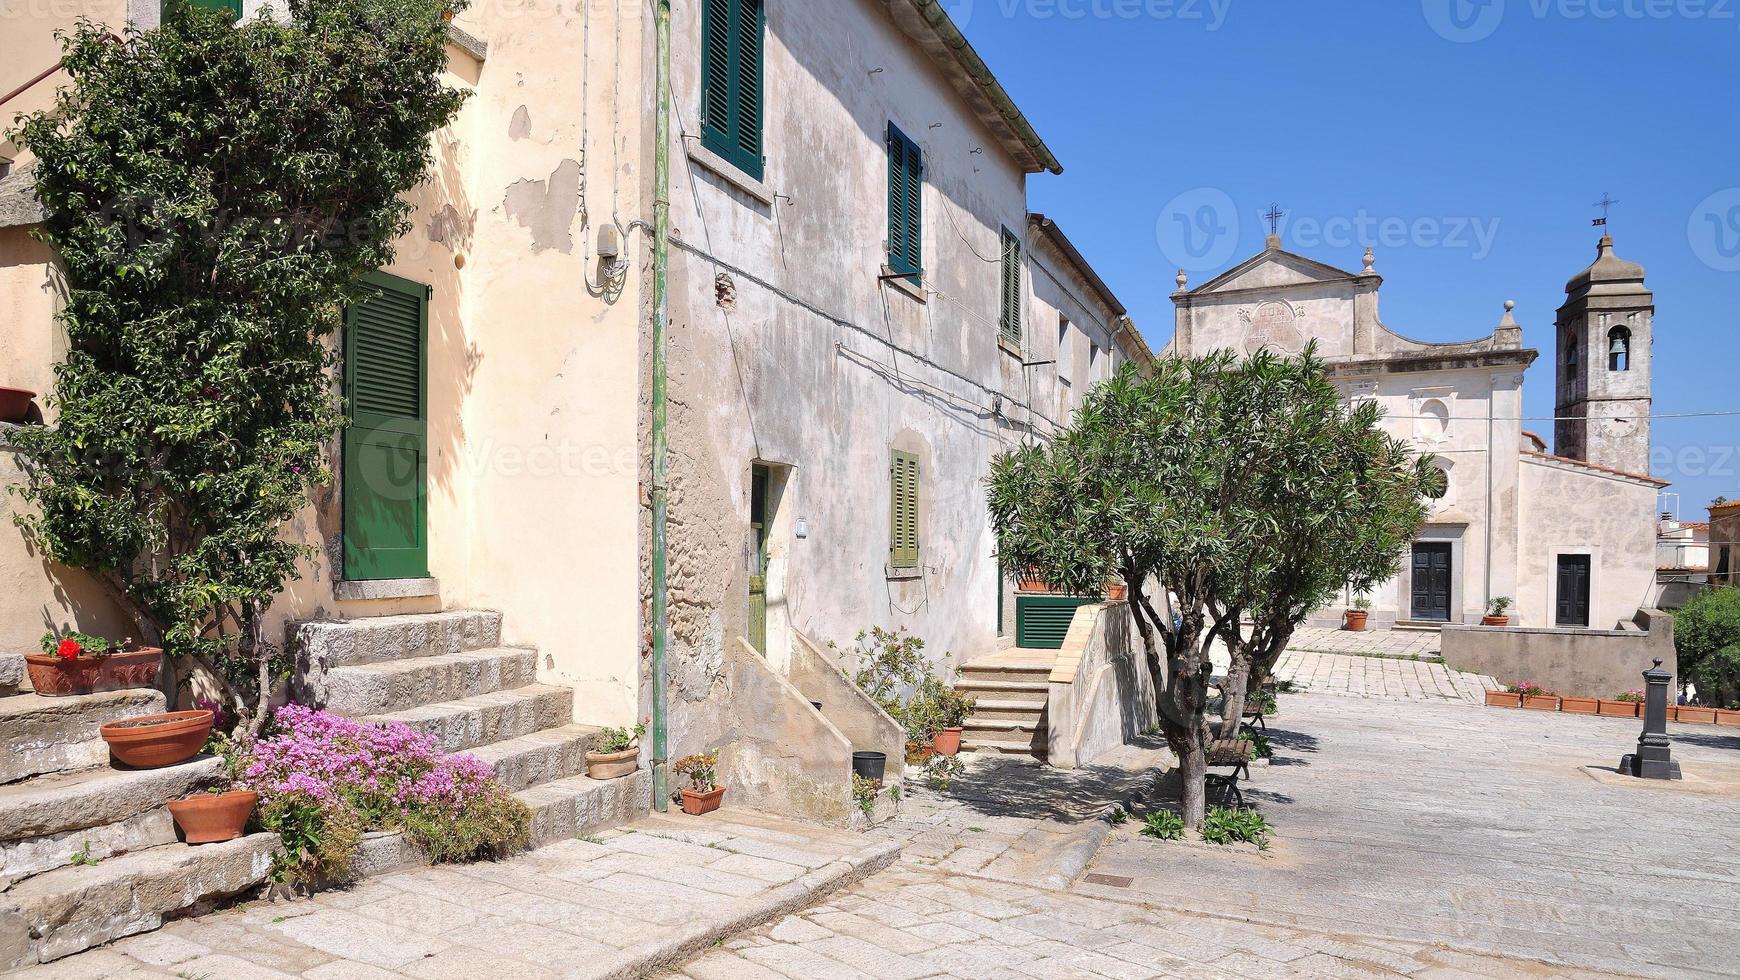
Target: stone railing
(1101, 693)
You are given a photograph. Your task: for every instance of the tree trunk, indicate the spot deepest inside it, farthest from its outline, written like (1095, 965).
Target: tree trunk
(1192, 775)
(1238, 686)
(1140, 610)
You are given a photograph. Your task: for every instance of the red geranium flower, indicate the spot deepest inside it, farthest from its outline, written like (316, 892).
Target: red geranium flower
(69, 649)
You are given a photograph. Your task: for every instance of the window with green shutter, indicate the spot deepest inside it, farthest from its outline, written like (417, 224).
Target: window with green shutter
(386, 446)
(1010, 321)
(905, 206)
(903, 476)
(231, 7)
(732, 66)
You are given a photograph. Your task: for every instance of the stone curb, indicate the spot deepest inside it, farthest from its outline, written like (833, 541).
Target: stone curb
(709, 927)
(1080, 851)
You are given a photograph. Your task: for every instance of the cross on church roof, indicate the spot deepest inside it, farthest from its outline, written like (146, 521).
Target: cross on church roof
(1274, 216)
(1606, 205)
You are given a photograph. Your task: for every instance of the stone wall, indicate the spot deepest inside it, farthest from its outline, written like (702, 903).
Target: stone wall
(861, 720)
(777, 753)
(1101, 693)
(1586, 663)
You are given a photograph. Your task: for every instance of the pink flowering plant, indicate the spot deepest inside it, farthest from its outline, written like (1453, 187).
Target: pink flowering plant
(324, 779)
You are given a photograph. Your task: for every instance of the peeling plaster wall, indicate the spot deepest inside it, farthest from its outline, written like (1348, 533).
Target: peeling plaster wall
(813, 366)
(1572, 510)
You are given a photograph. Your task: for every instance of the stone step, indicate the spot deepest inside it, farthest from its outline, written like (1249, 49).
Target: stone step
(12, 674)
(44, 821)
(563, 809)
(1030, 691)
(1003, 746)
(485, 718)
(72, 909)
(990, 707)
(45, 735)
(400, 684)
(539, 757)
(324, 644)
(992, 727)
(1026, 673)
(582, 805)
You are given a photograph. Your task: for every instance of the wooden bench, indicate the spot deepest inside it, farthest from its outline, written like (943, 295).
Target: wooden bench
(1253, 717)
(1233, 754)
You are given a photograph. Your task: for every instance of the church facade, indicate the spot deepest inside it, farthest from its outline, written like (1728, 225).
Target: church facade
(1569, 535)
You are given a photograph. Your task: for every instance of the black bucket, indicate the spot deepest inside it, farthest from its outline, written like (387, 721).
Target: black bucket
(816, 705)
(870, 765)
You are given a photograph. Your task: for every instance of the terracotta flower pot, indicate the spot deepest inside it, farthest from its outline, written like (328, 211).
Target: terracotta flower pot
(1673, 712)
(15, 404)
(1579, 706)
(1617, 709)
(1503, 699)
(206, 818)
(1541, 702)
(1356, 619)
(918, 755)
(57, 678)
(1690, 713)
(695, 804)
(1495, 620)
(155, 741)
(1031, 584)
(1726, 716)
(947, 741)
(612, 765)
(1117, 592)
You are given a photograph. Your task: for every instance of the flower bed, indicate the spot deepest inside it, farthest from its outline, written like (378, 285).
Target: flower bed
(324, 780)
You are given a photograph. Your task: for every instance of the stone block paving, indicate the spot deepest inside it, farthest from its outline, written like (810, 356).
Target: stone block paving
(1474, 827)
(1383, 678)
(625, 904)
(910, 923)
(1375, 642)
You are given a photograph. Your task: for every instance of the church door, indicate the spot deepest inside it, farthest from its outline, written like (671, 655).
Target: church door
(1432, 581)
(1573, 604)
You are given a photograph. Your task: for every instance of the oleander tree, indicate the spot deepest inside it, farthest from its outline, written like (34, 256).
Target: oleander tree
(214, 191)
(1200, 485)
(1707, 643)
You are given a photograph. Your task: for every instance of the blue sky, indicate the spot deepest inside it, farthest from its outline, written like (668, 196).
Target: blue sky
(1480, 130)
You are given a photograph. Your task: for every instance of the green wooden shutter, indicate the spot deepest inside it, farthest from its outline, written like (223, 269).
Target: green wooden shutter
(903, 476)
(385, 447)
(905, 205)
(1011, 318)
(732, 81)
(1042, 621)
(231, 7)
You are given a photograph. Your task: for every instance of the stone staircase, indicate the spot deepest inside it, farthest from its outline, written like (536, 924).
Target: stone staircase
(448, 676)
(88, 851)
(1011, 689)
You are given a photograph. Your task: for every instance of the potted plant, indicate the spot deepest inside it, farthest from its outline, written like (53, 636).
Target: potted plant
(1626, 705)
(222, 811)
(703, 793)
(1031, 582)
(156, 741)
(1506, 698)
(946, 709)
(1536, 697)
(79, 663)
(615, 753)
(1729, 715)
(1697, 714)
(1496, 611)
(1357, 616)
(1579, 705)
(1116, 590)
(15, 404)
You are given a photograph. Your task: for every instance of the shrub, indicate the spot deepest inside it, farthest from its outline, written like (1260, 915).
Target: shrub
(893, 671)
(1499, 605)
(324, 780)
(1528, 689)
(1163, 825)
(1635, 697)
(864, 793)
(1260, 747)
(1228, 825)
(942, 771)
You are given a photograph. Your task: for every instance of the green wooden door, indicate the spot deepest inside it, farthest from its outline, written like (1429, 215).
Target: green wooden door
(758, 571)
(386, 447)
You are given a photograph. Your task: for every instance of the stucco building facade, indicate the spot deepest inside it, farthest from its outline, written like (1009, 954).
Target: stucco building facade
(1570, 537)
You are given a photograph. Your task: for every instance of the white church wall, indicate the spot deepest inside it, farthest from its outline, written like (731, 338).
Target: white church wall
(1569, 510)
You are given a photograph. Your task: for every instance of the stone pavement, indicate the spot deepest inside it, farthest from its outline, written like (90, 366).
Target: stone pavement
(1365, 676)
(1474, 827)
(1374, 642)
(628, 904)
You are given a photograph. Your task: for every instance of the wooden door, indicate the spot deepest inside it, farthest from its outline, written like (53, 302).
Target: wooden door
(1573, 603)
(1431, 580)
(386, 446)
(758, 521)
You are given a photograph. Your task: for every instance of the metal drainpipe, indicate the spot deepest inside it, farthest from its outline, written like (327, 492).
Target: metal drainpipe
(660, 448)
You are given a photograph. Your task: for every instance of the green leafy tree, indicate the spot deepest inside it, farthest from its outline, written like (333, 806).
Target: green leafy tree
(214, 192)
(1707, 641)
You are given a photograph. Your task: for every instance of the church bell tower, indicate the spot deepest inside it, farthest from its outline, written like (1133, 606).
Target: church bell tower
(1604, 365)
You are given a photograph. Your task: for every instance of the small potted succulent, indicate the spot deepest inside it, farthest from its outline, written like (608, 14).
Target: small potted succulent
(1627, 705)
(221, 812)
(1496, 611)
(1358, 615)
(703, 794)
(615, 753)
(159, 740)
(79, 663)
